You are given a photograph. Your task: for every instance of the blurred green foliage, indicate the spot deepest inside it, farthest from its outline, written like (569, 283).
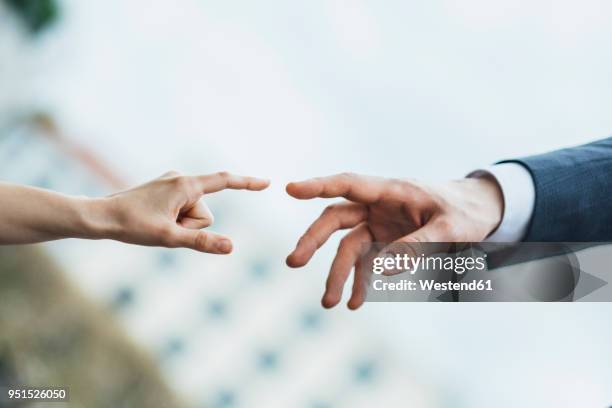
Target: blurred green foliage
(36, 14)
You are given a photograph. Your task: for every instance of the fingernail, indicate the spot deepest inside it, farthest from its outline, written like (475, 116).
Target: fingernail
(328, 302)
(224, 246)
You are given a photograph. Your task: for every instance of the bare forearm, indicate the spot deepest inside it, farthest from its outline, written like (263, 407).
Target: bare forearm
(30, 215)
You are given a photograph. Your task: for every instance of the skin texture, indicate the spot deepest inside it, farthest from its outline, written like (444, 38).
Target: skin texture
(391, 211)
(167, 212)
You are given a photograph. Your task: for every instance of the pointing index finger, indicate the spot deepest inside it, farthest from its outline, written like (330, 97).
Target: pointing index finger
(362, 189)
(211, 183)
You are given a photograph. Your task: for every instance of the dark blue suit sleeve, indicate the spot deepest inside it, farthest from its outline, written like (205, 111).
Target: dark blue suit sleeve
(573, 193)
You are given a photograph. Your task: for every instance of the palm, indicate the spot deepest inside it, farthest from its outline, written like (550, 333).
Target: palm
(388, 222)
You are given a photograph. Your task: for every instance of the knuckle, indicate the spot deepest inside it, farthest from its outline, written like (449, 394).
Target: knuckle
(223, 174)
(184, 183)
(344, 242)
(397, 187)
(169, 174)
(201, 240)
(409, 181)
(166, 235)
(330, 209)
(448, 228)
(348, 175)
(413, 186)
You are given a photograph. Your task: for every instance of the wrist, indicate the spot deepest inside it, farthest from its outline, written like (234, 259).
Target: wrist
(480, 203)
(98, 218)
(491, 200)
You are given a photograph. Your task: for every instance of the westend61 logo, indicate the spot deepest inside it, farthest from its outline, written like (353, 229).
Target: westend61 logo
(412, 264)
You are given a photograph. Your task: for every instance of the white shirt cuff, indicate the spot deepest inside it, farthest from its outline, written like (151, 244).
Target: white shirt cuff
(518, 190)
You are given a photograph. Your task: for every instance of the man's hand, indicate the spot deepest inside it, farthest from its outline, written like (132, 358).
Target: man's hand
(169, 212)
(389, 211)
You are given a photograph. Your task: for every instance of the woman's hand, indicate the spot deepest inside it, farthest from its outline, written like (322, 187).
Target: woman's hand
(167, 212)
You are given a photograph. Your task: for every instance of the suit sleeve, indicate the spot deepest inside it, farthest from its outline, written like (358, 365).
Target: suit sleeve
(573, 201)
